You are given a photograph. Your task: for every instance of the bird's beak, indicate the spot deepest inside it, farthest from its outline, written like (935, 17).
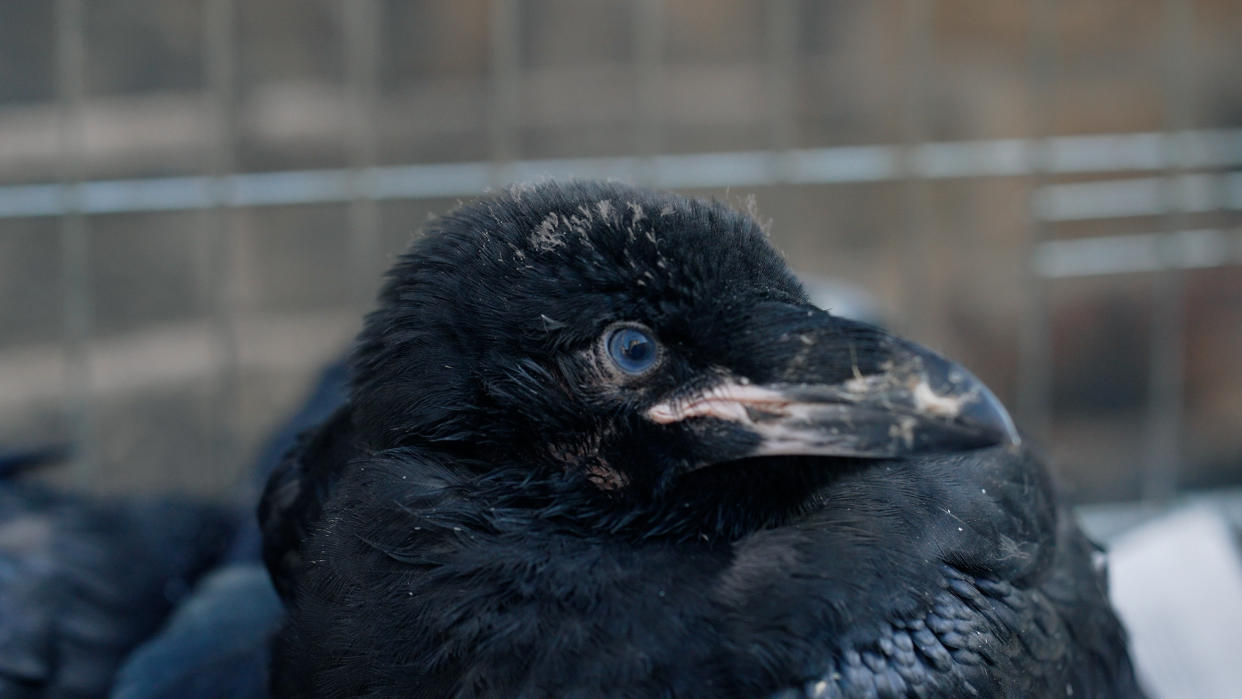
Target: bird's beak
(834, 387)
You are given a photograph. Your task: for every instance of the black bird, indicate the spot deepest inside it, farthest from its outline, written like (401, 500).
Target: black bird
(598, 442)
(84, 579)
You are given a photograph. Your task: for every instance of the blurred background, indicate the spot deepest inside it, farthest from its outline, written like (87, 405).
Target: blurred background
(197, 198)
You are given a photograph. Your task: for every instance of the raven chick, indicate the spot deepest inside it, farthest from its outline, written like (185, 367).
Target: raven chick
(84, 579)
(598, 442)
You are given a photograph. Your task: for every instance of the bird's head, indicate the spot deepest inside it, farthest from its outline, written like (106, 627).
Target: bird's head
(630, 338)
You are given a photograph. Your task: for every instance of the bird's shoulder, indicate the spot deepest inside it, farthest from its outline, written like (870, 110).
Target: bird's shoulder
(975, 582)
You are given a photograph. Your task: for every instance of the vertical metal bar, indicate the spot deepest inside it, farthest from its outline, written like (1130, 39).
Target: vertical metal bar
(75, 250)
(1166, 382)
(505, 76)
(361, 38)
(219, 40)
(913, 245)
(1034, 341)
(648, 55)
(782, 66)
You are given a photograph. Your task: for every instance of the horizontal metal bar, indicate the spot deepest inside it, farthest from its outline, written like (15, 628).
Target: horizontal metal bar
(1140, 196)
(1149, 252)
(992, 158)
(844, 164)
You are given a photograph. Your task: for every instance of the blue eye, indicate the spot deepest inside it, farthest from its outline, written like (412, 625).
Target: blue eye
(633, 350)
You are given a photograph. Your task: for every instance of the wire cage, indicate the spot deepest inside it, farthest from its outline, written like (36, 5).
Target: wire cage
(197, 199)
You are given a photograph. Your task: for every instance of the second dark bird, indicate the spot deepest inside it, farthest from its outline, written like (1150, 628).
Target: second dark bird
(599, 442)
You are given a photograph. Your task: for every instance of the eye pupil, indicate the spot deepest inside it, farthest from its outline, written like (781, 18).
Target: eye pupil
(632, 350)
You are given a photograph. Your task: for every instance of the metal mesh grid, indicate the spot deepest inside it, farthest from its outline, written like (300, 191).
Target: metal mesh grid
(1164, 175)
